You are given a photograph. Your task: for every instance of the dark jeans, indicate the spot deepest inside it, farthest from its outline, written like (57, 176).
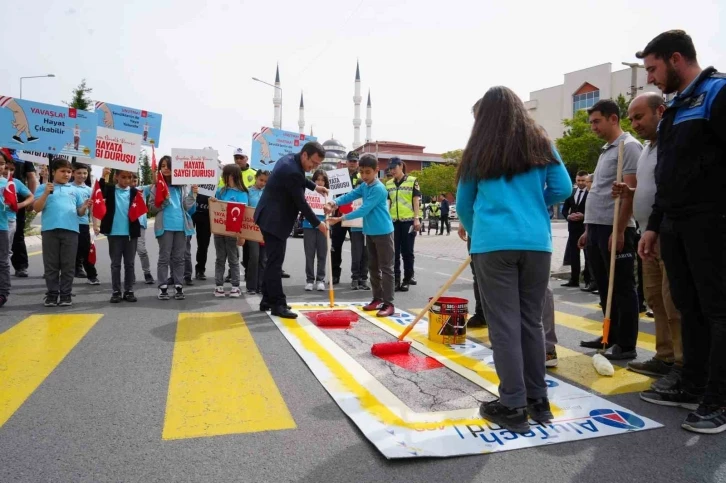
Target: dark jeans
(204, 235)
(20, 252)
(479, 310)
(444, 221)
(121, 246)
(255, 265)
(695, 261)
(574, 253)
(358, 256)
(624, 313)
(59, 260)
(272, 292)
(403, 243)
(337, 238)
(84, 245)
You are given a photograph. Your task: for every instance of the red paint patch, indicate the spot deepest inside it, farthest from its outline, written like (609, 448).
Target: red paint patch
(412, 362)
(313, 315)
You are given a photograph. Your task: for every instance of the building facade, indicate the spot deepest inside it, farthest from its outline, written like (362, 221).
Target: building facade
(580, 90)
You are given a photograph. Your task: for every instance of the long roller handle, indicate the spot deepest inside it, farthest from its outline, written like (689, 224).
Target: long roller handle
(613, 249)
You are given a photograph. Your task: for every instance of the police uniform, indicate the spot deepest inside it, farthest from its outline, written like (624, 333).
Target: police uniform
(400, 197)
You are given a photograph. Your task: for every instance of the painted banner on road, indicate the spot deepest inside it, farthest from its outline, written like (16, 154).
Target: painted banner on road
(269, 145)
(47, 128)
(128, 119)
(194, 166)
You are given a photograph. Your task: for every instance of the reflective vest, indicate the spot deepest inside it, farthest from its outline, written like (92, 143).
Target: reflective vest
(434, 210)
(248, 178)
(401, 198)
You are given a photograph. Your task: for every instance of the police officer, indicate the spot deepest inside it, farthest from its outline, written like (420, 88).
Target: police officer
(404, 197)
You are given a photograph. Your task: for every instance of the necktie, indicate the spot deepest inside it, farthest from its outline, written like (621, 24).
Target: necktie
(579, 196)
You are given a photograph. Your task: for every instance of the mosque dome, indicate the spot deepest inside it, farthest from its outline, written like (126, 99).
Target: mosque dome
(335, 153)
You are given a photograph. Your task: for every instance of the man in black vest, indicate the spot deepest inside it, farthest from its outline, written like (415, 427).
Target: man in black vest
(573, 210)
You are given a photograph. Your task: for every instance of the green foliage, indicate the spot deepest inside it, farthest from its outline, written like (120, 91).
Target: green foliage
(145, 175)
(80, 99)
(437, 179)
(29, 217)
(579, 146)
(453, 156)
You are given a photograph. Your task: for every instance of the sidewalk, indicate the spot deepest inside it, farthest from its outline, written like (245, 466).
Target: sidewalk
(454, 248)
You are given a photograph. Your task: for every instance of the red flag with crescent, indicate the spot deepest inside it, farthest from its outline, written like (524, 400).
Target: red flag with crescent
(92, 253)
(138, 207)
(162, 190)
(235, 213)
(10, 195)
(99, 204)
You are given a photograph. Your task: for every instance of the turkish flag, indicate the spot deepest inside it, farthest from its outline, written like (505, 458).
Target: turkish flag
(345, 209)
(99, 204)
(91, 258)
(162, 190)
(235, 213)
(153, 159)
(10, 196)
(138, 207)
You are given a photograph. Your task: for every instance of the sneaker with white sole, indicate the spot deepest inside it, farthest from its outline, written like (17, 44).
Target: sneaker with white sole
(320, 287)
(235, 292)
(675, 398)
(219, 292)
(706, 420)
(163, 293)
(308, 287)
(551, 359)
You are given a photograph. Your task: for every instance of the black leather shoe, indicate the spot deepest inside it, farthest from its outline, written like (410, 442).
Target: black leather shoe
(590, 287)
(412, 281)
(285, 274)
(594, 344)
(284, 312)
(404, 287)
(570, 284)
(265, 307)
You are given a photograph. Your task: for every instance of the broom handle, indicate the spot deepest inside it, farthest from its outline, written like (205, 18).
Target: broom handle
(436, 297)
(614, 243)
(329, 264)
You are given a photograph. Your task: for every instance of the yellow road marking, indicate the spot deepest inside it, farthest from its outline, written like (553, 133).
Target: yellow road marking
(597, 308)
(31, 350)
(219, 382)
(645, 341)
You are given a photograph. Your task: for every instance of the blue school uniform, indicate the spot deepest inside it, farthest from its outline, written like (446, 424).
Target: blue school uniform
(61, 207)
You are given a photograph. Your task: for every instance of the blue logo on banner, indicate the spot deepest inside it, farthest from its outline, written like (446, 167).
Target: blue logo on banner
(617, 419)
(551, 383)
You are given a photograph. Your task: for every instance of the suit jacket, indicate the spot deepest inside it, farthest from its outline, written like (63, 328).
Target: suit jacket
(284, 197)
(571, 206)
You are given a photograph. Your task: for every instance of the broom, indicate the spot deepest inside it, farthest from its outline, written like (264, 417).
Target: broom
(601, 364)
(339, 318)
(400, 347)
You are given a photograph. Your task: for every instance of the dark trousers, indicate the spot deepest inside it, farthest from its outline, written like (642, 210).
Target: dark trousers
(204, 235)
(337, 237)
(479, 308)
(122, 247)
(59, 260)
(272, 293)
(695, 261)
(358, 256)
(403, 240)
(444, 221)
(624, 313)
(586, 272)
(20, 253)
(245, 259)
(639, 273)
(574, 253)
(84, 245)
(262, 265)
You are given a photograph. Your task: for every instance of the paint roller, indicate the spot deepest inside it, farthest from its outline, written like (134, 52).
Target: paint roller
(333, 318)
(400, 347)
(600, 362)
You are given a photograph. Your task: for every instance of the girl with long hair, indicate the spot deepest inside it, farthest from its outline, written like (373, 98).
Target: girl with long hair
(315, 244)
(509, 174)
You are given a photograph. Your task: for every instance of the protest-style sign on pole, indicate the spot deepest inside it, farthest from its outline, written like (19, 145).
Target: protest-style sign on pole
(128, 119)
(47, 128)
(194, 166)
(36, 157)
(269, 145)
(355, 222)
(117, 150)
(340, 182)
(316, 201)
(218, 222)
(208, 189)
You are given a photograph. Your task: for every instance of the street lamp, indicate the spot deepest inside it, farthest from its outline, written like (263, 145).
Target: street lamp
(634, 66)
(276, 87)
(31, 77)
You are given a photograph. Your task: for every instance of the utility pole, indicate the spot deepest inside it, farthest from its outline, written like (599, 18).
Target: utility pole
(634, 66)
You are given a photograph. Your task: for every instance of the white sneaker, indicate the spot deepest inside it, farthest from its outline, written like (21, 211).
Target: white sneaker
(235, 292)
(219, 291)
(320, 287)
(309, 287)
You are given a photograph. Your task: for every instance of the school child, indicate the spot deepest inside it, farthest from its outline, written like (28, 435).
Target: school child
(84, 268)
(315, 243)
(172, 224)
(257, 261)
(234, 190)
(378, 229)
(60, 205)
(21, 192)
(141, 241)
(122, 233)
(358, 259)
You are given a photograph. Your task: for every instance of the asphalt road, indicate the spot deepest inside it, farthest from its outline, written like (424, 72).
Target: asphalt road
(99, 414)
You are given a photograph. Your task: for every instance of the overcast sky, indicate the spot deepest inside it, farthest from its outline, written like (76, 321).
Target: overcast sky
(425, 62)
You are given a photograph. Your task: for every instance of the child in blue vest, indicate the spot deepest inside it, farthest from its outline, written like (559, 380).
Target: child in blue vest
(60, 206)
(257, 258)
(84, 268)
(315, 243)
(234, 190)
(21, 191)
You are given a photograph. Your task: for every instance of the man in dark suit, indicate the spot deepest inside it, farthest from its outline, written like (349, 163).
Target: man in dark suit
(281, 201)
(573, 210)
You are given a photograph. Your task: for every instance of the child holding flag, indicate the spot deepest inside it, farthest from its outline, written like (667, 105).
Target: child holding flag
(60, 205)
(234, 191)
(173, 223)
(257, 261)
(10, 205)
(141, 241)
(315, 243)
(11, 200)
(124, 206)
(84, 269)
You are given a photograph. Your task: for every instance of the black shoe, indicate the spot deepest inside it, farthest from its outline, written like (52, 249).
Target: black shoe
(283, 312)
(285, 274)
(404, 286)
(179, 293)
(252, 292)
(354, 285)
(539, 410)
(264, 307)
(515, 420)
(649, 313)
(32, 138)
(163, 293)
(22, 273)
(675, 398)
(189, 281)
(336, 280)
(589, 287)
(201, 276)
(80, 273)
(17, 138)
(363, 285)
(116, 298)
(3, 300)
(618, 354)
(412, 281)
(130, 297)
(65, 301)
(148, 279)
(50, 301)
(594, 344)
(706, 420)
(476, 320)
(570, 284)
(670, 381)
(397, 288)
(652, 367)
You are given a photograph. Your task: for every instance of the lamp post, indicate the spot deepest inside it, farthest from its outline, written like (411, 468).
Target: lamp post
(634, 66)
(275, 87)
(32, 77)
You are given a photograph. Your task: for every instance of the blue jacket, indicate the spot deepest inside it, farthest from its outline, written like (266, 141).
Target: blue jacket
(284, 197)
(500, 214)
(374, 211)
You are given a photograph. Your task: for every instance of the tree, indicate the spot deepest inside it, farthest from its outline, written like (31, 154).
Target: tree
(80, 98)
(579, 146)
(453, 156)
(145, 175)
(436, 179)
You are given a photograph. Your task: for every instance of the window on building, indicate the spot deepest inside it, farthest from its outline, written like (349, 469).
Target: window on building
(584, 100)
(425, 164)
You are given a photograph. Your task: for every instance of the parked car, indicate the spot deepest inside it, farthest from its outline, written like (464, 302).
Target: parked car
(452, 212)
